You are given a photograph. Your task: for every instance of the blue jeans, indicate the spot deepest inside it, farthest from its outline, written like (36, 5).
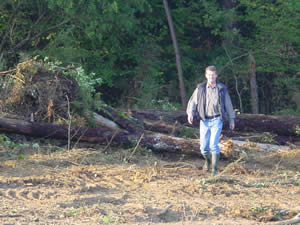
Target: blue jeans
(210, 131)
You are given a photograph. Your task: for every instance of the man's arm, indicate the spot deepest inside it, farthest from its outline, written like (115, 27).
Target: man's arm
(191, 107)
(229, 110)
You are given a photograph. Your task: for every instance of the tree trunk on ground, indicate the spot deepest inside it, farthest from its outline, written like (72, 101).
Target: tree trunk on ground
(125, 122)
(160, 115)
(177, 53)
(280, 125)
(103, 122)
(156, 142)
(253, 85)
(97, 135)
(175, 122)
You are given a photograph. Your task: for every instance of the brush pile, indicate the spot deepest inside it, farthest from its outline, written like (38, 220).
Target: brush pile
(33, 92)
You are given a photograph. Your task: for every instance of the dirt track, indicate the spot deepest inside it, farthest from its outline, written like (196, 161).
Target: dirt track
(88, 186)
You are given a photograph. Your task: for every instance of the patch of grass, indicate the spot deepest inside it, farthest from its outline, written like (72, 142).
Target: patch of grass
(71, 212)
(297, 182)
(259, 185)
(107, 219)
(297, 130)
(258, 209)
(21, 157)
(268, 137)
(279, 181)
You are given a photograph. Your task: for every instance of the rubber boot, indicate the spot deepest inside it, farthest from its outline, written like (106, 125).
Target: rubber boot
(214, 164)
(207, 163)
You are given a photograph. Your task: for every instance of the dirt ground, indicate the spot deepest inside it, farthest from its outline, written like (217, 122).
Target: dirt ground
(46, 184)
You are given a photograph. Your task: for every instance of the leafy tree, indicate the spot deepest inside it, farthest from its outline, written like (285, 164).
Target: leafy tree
(127, 45)
(265, 31)
(28, 23)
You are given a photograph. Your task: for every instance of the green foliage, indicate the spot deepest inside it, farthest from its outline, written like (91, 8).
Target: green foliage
(87, 98)
(5, 142)
(164, 104)
(86, 81)
(36, 146)
(107, 219)
(102, 28)
(274, 33)
(21, 157)
(297, 130)
(268, 31)
(258, 209)
(125, 48)
(72, 212)
(267, 137)
(288, 111)
(12, 148)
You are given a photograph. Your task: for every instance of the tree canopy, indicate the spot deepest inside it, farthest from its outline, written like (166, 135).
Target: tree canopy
(128, 46)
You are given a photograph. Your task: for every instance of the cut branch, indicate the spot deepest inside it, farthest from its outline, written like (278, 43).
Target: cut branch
(8, 73)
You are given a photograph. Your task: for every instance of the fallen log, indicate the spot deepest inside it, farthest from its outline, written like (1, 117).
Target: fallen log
(294, 220)
(126, 122)
(160, 115)
(279, 125)
(155, 142)
(103, 122)
(261, 146)
(45, 130)
(282, 130)
(139, 125)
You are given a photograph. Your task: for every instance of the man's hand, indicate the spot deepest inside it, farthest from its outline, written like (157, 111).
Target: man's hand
(190, 119)
(231, 126)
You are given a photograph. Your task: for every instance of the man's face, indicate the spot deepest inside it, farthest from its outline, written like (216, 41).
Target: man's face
(211, 76)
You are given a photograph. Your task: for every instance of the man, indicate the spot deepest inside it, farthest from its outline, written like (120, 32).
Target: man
(210, 102)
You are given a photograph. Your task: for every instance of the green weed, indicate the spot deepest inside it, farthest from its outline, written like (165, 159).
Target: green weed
(107, 219)
(71, 212)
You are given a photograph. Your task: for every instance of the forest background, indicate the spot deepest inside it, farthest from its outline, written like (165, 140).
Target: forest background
(123, 50)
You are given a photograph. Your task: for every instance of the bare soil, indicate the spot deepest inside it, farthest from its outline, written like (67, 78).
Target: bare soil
(87, 185)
